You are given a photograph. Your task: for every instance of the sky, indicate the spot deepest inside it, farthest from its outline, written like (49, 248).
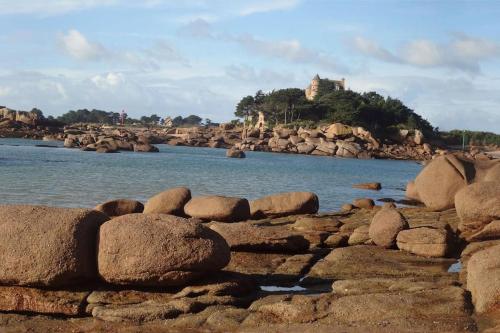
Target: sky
(441, 58)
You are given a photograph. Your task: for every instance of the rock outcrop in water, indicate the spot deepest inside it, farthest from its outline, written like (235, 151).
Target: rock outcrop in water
(158, 272)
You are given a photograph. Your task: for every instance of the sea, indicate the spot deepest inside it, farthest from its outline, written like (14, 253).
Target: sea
(31, 173)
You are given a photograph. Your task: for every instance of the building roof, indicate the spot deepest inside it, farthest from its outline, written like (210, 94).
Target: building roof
(316, 77)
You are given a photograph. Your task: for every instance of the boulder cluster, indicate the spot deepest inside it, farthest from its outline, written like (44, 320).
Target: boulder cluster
(110, 141)
(472, 187)
(337, 140)
(179, 262)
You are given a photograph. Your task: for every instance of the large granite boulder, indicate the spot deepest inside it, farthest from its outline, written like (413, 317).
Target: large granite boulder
(218, 208)
(424, 241)
(441, 179)
(171, 201)
(46, 246)
(283, 204)
(244, 236)
(120, 207)
(347, 149)
(385, 226)
(411, 191)
(490, 231)
(158, 250)
(483, 272)
(337, 129)
(477, 205)
(305, 148)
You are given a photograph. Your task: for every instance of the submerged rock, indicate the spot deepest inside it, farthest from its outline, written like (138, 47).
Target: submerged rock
(145, 148)
(368, 186)
(235, 153)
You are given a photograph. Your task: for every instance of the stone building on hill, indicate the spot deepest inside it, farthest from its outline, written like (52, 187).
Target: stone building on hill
(313, 89)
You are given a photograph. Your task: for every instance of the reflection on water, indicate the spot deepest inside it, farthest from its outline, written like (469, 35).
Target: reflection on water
(72, 178)
(277, 288)
(455, 268)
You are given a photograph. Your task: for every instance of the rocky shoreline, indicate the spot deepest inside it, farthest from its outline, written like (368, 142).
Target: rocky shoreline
(334, 140)
(195, 264)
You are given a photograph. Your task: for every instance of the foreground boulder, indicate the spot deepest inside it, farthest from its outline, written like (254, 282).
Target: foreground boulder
(120, 207)
(477, 205)
(218, 208)
(170, 202)
(437, 184)
(385, 226)
(46, 246)
(411, 191)
(424, 241)
(158, 250)
(284, 204)
(483, 271)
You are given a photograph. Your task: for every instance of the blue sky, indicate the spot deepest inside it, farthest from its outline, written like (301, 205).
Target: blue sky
(442, 58)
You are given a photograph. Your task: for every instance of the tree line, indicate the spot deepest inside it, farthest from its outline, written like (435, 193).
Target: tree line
(369, 110)
(112, 118)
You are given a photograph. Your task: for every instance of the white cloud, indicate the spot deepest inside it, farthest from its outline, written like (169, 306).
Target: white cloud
(49, 7)
(462, 52)
(207, 9)
(110, 80)
(449, 103)
(267, 6)
(4, 91)
(75, 44)
(371, 48)
(423, 53)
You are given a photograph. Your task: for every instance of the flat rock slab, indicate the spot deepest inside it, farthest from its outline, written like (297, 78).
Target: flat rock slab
(443, 310)
(384, 285)
(244, 236)
(20, 299)
(437, 310)
(266, 268)
(364, 261)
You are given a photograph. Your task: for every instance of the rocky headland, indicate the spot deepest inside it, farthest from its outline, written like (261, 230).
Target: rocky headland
(337, 139)
(179, 263)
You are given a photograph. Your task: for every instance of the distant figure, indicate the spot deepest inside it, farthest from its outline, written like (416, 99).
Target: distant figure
(261, 123)
(123, 116)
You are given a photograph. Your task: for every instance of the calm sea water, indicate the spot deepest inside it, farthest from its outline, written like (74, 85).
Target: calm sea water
(72, 178)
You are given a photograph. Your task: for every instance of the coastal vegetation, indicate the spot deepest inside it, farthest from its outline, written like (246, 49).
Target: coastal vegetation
(370, 110)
